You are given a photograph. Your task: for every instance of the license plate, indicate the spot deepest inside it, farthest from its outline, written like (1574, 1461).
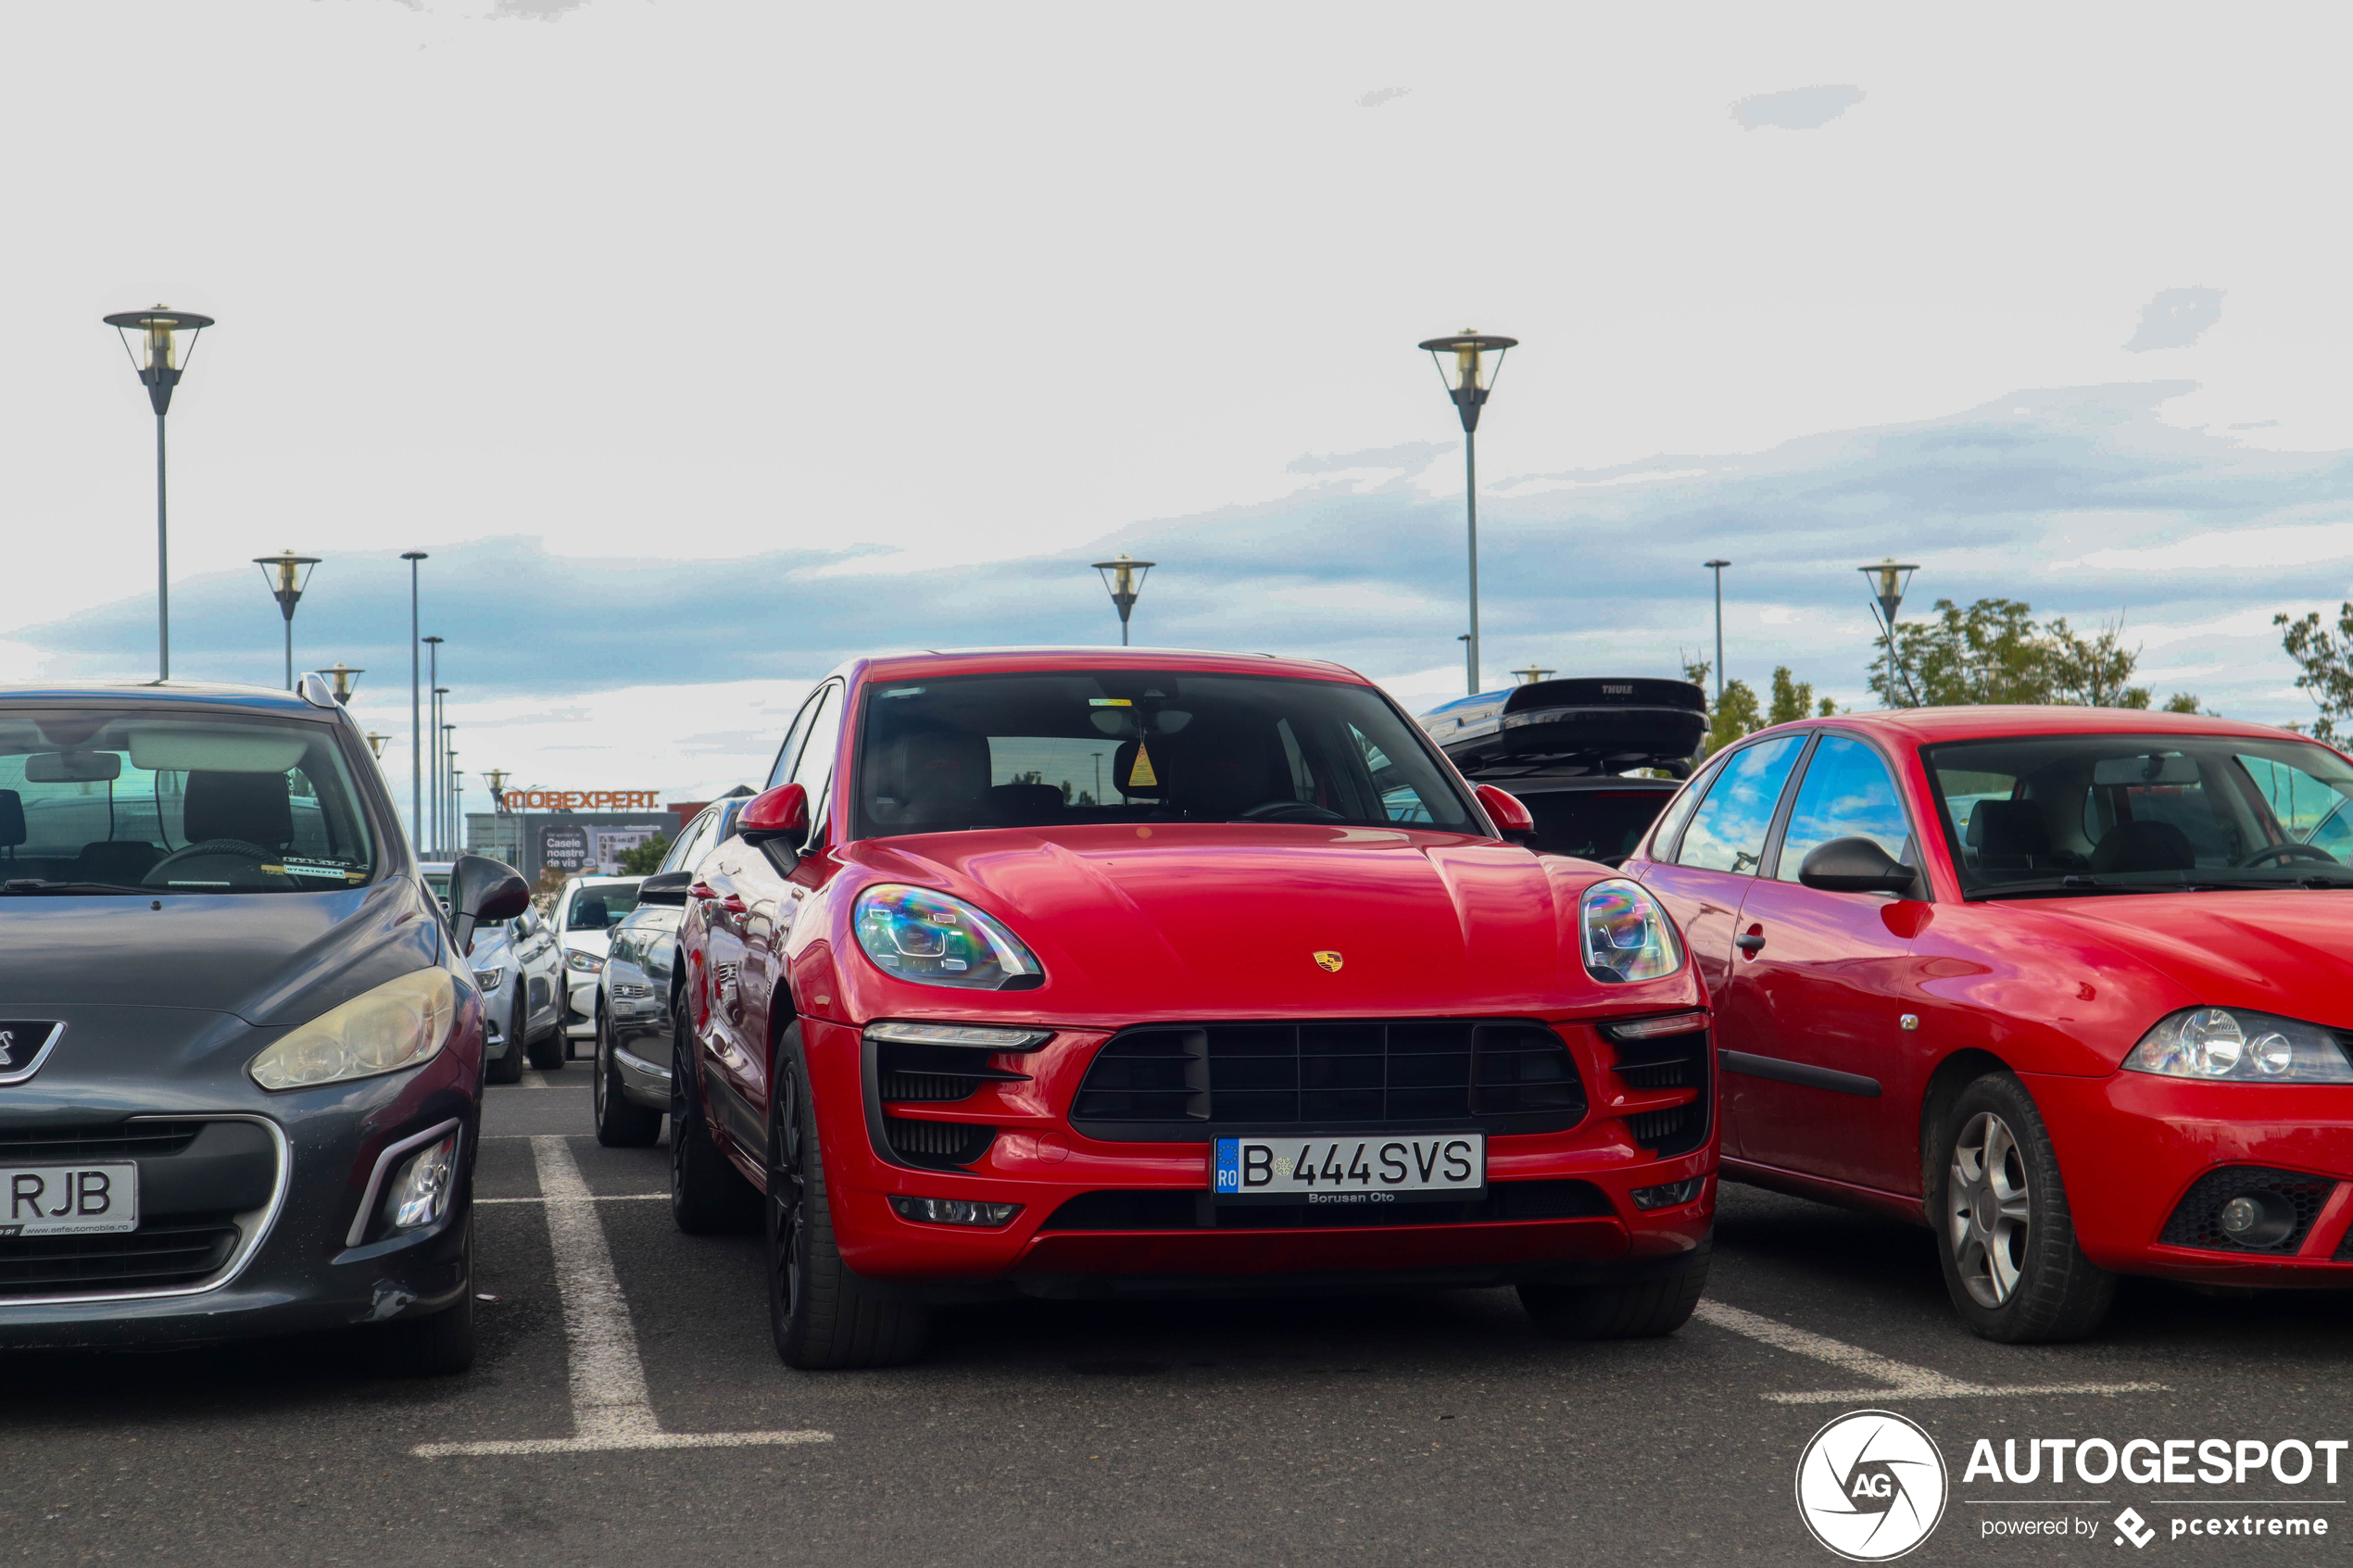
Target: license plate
(1404, 1169)
(69, 1200)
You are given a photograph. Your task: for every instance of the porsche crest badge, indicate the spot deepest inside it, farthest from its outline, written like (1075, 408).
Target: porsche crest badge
(1329, 961)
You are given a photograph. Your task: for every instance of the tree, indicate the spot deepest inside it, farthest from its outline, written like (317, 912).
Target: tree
(2324, 665)
(644, 859)
(1792, 699)
(1994, 651)
(1736, 714)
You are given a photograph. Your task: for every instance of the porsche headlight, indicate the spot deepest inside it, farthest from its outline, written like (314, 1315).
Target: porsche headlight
(2239, 1047)
(399, 1024)
(1625, 935)
(935, 940)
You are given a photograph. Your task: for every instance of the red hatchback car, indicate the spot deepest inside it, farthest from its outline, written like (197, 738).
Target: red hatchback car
(2069, 986)
(1087, 972)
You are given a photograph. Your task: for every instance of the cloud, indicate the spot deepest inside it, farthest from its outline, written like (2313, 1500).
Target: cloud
(1380, 95)
(2176, 318)
(1798, 108)
(1405, 455)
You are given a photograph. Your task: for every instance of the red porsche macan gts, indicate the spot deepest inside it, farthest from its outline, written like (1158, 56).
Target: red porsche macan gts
(1061, 972)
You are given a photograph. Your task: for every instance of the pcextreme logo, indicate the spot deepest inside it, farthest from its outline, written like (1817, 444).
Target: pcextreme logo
(1871, 1485)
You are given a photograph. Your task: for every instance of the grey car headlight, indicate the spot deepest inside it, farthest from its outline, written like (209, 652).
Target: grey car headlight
(2231, 1044)
(401, 1023)
(488, 979)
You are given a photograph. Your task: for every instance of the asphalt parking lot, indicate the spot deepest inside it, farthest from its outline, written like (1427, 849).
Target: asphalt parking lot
(626, 1408)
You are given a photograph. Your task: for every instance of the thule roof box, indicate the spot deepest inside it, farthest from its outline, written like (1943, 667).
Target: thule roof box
(1594, 725)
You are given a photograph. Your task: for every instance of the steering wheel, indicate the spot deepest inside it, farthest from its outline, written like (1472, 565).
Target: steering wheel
(238, 846)
(1290, 811)
(2304, 851)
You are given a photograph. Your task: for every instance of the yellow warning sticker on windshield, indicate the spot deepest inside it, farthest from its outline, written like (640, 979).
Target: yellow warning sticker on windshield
(1141, 776)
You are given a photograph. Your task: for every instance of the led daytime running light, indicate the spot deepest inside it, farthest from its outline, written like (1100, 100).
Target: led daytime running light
(973, 1035)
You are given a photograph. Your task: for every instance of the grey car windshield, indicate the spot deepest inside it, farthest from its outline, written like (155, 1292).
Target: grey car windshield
(202, 802)
(1071, 748)
(2122, 812)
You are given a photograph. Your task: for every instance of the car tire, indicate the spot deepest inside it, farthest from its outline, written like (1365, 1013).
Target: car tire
(548, 1052)
(438, 1346)
(821, 1315)
(508, 1069)
(620, 1121)
(2005, 1236)
(1643, 1307)
(707, 1195)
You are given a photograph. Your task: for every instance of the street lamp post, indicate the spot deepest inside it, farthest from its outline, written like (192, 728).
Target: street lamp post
(1124, 575)
(162, 371)
(448, 735)
(1717, 566)
(497, 778)
(376, 739)
(1532, 674)
(1468, 387)
(1889, 579)
(341, 675)
(416, 725)
(457, 808)
(430, 740)
(286, 585)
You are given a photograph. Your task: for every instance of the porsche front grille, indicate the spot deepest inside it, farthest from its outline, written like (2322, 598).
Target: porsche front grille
(1162, 1082)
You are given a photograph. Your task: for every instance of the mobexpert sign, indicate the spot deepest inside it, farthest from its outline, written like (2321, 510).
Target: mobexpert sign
(581, 799)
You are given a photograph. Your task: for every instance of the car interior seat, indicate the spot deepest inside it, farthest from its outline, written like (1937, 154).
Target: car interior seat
(250, 807)
(1224, 769)
(1024, 805)
(2009, 834)
(12, 831)
(591, 914)
(932, 777)
(2144, 847)
(122, 860)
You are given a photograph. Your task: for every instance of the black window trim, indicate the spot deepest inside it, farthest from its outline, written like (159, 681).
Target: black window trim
(1780, 806)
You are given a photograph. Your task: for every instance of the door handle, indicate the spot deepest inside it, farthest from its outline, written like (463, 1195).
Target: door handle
(1750, 942)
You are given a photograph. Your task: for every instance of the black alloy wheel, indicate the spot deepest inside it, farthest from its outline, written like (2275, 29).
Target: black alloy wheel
(2011, 1263)
(1658, 1301)
(707, 1195)
(508, 1069)
(621, 1123)
(820, 1316)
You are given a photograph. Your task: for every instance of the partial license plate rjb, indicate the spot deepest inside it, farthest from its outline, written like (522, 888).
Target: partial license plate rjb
(69, 1200)
(1404, 1168)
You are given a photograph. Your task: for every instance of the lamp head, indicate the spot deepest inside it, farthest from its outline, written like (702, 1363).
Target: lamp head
(376, 739)
(1464, 370)
(288, 574)
(152, 339)
(1889, 579)
(342, 674)
(1124, 575)
(1532, 675)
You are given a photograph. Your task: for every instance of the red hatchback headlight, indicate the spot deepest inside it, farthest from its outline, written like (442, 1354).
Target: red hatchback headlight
(2231, 1044)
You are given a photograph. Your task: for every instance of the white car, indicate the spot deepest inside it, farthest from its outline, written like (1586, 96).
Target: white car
(586, 911)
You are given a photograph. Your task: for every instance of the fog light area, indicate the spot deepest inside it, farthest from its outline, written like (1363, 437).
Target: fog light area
(1670, 1195)
(419, 1193)
(955, 1211)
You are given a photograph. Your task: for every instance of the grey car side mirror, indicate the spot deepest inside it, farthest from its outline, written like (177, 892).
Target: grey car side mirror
(1855, 865)
(665, 887)
(483, 890)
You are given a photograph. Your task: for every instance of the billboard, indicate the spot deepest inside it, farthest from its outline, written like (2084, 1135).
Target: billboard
(573, 844)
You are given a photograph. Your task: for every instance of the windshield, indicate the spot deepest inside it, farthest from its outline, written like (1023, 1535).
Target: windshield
(2096, 812)
(1602, 825)
(203, 802)
(1074, 747)
(600, 905)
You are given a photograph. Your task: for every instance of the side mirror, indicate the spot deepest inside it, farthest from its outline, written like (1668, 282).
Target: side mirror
(480, 890)
(781, 812)
(665, 887)
(1855, 865)
(1510, 813)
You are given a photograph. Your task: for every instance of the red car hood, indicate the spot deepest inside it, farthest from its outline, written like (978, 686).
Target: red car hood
(1225, 921)
(2289, 952)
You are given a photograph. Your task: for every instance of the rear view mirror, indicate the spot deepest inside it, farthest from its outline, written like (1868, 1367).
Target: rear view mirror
(72, 766)
(665, 887)
(1855, 865)
(781, 812)
(2155, 767)
(482, 890)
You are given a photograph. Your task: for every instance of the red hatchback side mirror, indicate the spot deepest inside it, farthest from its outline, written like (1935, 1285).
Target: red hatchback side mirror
(781, 812)
(1510, 813)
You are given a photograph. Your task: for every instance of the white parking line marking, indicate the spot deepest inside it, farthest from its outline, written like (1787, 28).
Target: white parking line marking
(610, 1407)
(1903, 1381)
(533, 1079)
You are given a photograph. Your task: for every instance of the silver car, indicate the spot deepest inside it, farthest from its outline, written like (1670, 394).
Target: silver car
(518, 966)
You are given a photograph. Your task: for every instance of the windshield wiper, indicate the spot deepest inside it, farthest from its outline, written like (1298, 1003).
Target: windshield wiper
(2068, 887)
(36, 884)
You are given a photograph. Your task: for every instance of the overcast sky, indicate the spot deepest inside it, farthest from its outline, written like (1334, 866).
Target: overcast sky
(704, 345)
